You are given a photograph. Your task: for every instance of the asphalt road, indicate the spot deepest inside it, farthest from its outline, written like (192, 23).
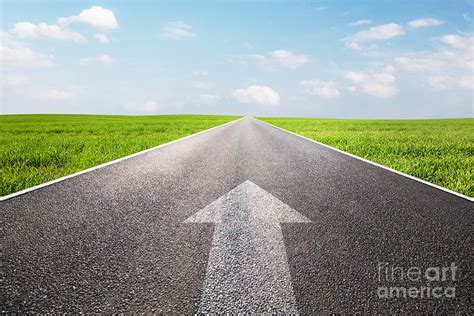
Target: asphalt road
(115, 239)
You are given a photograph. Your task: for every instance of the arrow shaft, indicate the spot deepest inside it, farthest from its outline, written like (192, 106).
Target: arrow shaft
(247, 270)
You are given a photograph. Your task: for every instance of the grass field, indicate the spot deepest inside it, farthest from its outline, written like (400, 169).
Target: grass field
(39, 148)
(438, 151)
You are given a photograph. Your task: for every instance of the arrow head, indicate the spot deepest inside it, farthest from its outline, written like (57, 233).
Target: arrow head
(247, 203)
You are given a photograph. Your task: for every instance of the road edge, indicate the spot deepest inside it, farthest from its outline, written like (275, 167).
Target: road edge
(105, 164)
(374, 163)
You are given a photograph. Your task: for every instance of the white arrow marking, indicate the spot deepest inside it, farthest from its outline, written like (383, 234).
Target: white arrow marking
(248, 269)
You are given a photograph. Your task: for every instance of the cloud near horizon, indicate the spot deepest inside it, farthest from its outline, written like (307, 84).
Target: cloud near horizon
(325, 89)
(56, 95)
(257, 94)
(374, 83)
(14, 54)
(446, 69)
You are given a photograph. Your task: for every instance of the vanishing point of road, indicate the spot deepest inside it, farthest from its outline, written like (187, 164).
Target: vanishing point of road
(242, 218)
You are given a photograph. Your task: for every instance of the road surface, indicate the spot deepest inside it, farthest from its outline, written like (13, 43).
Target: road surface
(142, 235)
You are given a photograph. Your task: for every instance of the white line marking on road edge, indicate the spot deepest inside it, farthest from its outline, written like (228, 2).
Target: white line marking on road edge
(375, 164)
(36, 187)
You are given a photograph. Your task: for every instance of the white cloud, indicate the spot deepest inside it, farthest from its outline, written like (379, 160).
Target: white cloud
(357, 77)
(56, 95)
(458, 41)
(177, 30)
(277, 59)
(379, 84)
(325, 89)
(257, 94)
(424, 23)
(443, 81)
(44, 30)
(379, 90)
(16, 54)
(95, 16)
(448, 69)
(376, 33)
(361, 22)
(287, 59)
(101, 59)
(102, 38)
(420, 63)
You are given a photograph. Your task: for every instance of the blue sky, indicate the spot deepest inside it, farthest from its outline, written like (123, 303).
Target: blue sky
(342, 59)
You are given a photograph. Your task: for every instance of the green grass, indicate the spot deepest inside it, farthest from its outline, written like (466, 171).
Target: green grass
(438, 151)
(38, 148)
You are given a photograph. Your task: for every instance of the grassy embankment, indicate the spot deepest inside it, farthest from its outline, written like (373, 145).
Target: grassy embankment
(38, 148)
(438, 151)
